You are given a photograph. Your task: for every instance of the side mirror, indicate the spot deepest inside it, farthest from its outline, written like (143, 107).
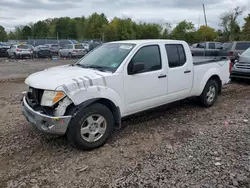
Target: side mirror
(137, 67)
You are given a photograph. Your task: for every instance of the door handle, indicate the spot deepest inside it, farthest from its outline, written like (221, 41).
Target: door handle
(187, 71)
(162, 76)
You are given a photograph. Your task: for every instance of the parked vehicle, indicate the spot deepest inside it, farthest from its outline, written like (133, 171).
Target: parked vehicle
(20, 51)
(86, 46)
(42, 51)
(232, 49)
(3, 51)
(54, 48)
(87, 100)
(241, 67)
(72, 50)
(64, 42)
(206, 49)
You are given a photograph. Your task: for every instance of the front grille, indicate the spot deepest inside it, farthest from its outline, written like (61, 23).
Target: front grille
(35, 95)
(242, 65)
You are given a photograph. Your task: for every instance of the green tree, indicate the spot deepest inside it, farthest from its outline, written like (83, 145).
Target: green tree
(95, 24)
(40, 30)
(62, 27)
(230, 25)
(12, 35)
(166, 31)
(184, 31)
(3, 34)
(26, 32)
(246, 29)
(206, 33)
(148, 31)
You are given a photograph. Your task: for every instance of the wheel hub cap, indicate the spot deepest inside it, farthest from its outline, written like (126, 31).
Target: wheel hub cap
(93, 128)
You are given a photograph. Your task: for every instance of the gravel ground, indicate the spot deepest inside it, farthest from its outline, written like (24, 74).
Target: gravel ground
(181, 145)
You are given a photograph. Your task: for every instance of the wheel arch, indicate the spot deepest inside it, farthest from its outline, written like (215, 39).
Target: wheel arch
(115, 110)
(211, 74)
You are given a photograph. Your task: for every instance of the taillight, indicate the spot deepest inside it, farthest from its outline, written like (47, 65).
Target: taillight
(230, 54)
(230, 66)
(75, 50)
(18, 50)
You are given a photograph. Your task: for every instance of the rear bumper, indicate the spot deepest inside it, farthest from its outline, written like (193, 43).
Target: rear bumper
(45, 123)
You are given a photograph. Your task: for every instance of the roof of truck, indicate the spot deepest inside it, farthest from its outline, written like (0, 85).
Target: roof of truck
(144, 41)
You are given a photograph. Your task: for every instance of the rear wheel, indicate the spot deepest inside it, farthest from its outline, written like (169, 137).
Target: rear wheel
(91, 127)
(209, 94)
(15, 56)
(70, 55)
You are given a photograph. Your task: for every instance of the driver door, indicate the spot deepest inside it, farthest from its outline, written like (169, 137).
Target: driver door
(147, 88)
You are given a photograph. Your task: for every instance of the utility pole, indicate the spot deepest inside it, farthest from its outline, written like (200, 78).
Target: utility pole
(205, 14)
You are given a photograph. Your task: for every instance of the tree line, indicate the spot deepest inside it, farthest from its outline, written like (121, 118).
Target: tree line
(97, 26)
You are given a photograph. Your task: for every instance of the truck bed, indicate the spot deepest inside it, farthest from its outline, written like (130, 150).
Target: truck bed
(199, 60)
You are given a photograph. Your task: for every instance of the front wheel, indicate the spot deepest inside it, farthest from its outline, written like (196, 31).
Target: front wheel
(91, 127)
(209, 94)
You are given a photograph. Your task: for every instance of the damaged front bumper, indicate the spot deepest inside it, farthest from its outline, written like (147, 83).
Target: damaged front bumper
(45, 123)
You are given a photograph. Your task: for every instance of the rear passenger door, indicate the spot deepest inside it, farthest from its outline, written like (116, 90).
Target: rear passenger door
(179, 74)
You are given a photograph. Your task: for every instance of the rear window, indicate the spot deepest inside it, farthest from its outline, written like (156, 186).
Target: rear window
(211, 45)
(242, 45)
(79, 47)
(23, 47)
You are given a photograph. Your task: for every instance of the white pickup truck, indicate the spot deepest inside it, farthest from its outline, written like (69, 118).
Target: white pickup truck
(87, 100)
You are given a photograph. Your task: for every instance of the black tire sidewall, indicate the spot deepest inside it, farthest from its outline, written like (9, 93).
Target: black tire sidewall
(203, 97)
(74, 129)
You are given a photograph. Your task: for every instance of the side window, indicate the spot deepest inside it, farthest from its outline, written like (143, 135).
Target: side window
(201, 45)
(218, 45)
(148, 55)
(211, 45)
(176, 55)
(70, 46)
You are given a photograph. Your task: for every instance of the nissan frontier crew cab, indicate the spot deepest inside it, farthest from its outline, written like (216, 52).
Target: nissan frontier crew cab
(87, 100)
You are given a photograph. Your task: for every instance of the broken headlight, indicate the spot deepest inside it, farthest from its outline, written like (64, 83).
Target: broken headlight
(50, 98)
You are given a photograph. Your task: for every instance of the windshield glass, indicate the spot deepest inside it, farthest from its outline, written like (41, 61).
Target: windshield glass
(246, 53)
(107, 57)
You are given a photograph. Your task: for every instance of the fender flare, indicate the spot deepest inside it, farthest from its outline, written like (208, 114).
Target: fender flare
(212, 72)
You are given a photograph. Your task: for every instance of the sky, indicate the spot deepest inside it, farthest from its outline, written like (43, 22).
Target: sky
(21, 12)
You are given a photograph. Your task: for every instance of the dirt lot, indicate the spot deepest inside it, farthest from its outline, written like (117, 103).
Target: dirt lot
(182, 145)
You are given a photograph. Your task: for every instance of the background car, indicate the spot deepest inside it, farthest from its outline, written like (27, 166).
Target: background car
(54, 48)
(42, 51)
(20, 51)
(72, 50)
(232, 49)
(241, 67)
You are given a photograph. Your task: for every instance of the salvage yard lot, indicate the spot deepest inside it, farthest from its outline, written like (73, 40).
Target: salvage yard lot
(181, 145)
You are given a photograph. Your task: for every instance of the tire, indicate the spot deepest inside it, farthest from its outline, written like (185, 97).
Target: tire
(15, 56)
(82, 121)
(70, 56)
(210, 89)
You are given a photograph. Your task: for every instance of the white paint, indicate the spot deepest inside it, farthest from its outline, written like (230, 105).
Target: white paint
(132, 93)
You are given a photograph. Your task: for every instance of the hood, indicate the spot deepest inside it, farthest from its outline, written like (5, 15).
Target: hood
(52, 78)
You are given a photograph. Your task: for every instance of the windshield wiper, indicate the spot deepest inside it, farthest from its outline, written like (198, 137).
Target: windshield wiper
(100, 68)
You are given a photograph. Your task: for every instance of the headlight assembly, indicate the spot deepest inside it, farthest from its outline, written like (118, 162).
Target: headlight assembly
(50, 98)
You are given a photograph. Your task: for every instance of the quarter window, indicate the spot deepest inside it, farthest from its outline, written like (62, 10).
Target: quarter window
(176, 55)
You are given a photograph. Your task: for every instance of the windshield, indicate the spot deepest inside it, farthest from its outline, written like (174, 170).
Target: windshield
(107, 57)
(246, 53)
